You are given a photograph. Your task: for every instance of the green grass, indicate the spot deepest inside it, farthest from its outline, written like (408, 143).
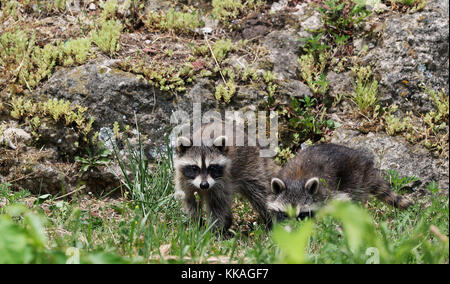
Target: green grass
(146, 225)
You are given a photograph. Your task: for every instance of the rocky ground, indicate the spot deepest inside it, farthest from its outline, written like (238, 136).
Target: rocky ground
(236, 57)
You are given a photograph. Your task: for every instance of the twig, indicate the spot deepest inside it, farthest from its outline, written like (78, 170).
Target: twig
(72, 192)
(215, 59)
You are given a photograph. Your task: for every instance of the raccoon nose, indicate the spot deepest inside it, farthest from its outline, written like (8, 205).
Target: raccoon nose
(204, 185)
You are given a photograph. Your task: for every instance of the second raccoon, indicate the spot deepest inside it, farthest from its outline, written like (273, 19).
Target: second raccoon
(324, 172)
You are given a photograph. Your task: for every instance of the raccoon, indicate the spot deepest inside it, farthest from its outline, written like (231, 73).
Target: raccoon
(324, 172)
(215, 172)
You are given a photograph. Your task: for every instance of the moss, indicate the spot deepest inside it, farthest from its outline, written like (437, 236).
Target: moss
(58, 110)
(225, 91)
(10, 10)
(395, 125)
(107, 37)
(366, 89)
(408, 5)
(165, 78)
(227, 10)
(312, 71)
(173, 20)
(109, 10)
(76, 51)
(26, 61)
(283, 155)
(430, 130)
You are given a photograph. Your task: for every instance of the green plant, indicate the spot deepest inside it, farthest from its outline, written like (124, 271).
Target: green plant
(431, 129)
(226, 10)
(366, 90)
(433, 187)
(174, 20)
(165, 78)
(76, 51)
(308, 122)
(10, 10)
(283, 155)
(359, 241)
(109, 10)
(11, 197)
(221, 49)
(409, 5)
(341, 16)
(107, 37)
(438, 119)
(314, 43)
(312, 71)
(225, 91)
(58, 110)
(21, 244)
(100, 158)
(398, 182)
(24, 61)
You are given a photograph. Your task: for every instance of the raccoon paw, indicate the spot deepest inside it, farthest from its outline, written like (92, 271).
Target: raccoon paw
(404, 202)
(180, 195)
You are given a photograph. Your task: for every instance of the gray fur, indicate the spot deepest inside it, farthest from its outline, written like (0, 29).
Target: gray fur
(343, 173)
(244, 172)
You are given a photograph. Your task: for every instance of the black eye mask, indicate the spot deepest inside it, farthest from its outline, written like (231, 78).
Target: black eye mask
(191, 172)
(304, 215)
(216, 171)
(280, 216)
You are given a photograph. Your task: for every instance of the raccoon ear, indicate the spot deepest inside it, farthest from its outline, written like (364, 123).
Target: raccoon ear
(183, 144)
(220, 143)
(312, 185)
(277, 185)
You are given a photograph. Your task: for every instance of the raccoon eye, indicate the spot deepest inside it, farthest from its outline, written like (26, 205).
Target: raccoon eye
(191, 172)
(280, 216)
(304, 215)
(215, 171)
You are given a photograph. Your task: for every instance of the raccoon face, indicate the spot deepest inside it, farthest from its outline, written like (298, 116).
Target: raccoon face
(294, 197)
(202, 166)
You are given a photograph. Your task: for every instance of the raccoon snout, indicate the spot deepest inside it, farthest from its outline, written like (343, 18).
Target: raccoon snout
(204, 185)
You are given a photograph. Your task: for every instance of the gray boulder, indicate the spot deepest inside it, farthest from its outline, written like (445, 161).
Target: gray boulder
(397, 154)
(413, 52)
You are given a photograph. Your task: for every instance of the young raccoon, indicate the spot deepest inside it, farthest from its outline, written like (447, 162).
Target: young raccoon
(216, 171)
(324, 172)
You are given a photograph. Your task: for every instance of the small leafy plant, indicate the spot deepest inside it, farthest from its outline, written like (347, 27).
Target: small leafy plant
(306, 119)
(366, 90)
(107, 37)
(98, 159)
(341, 16)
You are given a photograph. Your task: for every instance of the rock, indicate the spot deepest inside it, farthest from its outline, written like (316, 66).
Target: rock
(17, 134)
(413, 53)
(376, 6)
(112, 95)
(309, 19)
(397, 154)
(92, 7)
(102, 180)
(12, 136)
(202, 92)
(45, 178)
(157, 5)
(278, 6)
(63, 139)
(283, 48)
(340, 83)
(313, 22)
(294, 88)
(247, 99)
